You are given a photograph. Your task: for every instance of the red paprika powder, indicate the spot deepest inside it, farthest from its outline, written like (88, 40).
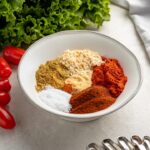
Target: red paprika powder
(90, 100)
(110, 74)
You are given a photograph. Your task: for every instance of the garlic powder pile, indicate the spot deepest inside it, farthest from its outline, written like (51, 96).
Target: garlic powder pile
(77, 60)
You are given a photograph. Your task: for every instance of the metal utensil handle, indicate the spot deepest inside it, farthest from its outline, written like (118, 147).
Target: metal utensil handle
(136, 143)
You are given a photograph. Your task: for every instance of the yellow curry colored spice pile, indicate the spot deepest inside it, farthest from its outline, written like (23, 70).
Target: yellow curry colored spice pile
(52, 73)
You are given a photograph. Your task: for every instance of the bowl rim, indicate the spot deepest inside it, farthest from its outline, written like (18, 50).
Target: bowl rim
(88, 115)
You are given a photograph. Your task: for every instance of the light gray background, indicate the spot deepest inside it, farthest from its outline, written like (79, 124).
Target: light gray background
(36, 130)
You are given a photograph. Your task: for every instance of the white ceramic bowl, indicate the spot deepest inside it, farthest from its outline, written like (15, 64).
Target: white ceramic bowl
(53, 45)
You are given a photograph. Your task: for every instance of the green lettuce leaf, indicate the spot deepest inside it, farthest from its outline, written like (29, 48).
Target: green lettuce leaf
(24, 21)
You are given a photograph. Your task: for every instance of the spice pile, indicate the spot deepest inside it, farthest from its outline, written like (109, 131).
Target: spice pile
(93, 82)
(92, 99)
(52, 73)
(56, 99)
(10, 55)
(111, 75)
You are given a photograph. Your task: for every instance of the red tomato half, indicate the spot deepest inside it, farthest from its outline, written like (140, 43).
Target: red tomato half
(13, 54)
(5, 70)
(5, 85)
(6, 119)
(4, 98)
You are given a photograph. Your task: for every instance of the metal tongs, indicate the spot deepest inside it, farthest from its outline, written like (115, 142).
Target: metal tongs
(136, 143)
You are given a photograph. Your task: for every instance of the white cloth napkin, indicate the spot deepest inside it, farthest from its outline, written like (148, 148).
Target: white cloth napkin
(139, 11)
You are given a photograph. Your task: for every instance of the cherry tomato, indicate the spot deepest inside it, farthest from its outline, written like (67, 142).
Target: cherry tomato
(4, 98)
(13, 54)
(6, 119)
(5, 70)
(5, 85)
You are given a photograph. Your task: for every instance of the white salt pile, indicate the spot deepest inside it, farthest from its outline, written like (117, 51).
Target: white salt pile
(56, 99)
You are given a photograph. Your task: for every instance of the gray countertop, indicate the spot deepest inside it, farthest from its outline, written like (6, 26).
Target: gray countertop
(36, 130)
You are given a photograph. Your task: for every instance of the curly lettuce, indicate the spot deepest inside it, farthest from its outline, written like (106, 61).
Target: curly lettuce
(24, 21)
